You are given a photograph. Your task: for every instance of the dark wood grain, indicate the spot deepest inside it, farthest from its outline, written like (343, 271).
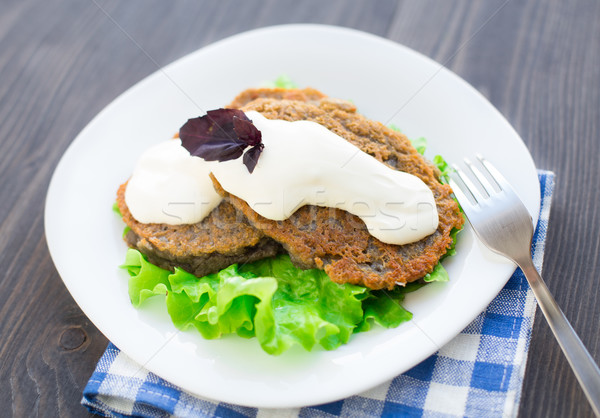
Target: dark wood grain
(61, 62)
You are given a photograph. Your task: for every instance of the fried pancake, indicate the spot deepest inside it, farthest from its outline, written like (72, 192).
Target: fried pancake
(337, 241)
(221, 239)
(325, 238)
(303, 95)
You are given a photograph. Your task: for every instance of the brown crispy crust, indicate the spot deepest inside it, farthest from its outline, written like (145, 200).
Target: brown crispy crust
(223, 238)
(335, 240)
(309, 95)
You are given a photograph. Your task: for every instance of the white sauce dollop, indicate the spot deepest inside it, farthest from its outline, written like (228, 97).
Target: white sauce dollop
(303, 163)
(170, 186)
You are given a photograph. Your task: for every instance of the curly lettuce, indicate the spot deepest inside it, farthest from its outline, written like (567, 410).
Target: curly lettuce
(283, 82)
(271, 299)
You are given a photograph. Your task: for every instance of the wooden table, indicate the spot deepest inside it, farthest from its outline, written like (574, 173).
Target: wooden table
(61, 62)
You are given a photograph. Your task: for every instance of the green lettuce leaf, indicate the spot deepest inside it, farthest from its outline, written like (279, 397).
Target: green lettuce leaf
(439, 274)
(283, 81)
(444, 168)
(270, 299)
(116, 209)
(146, 280)
(420, 144)
(308, 306)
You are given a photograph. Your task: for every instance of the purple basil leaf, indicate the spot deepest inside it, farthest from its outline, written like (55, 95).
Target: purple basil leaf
(251, 157)
(219, 150)
(222, 135)
(222, 121)
(246, 131)
(216, 123)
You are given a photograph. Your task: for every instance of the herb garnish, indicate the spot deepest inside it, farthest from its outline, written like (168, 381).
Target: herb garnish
(222, 135)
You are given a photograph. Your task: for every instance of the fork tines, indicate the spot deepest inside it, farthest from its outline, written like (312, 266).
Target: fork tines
(487, 184)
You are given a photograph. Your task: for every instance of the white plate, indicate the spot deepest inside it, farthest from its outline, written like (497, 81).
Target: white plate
(381, 77)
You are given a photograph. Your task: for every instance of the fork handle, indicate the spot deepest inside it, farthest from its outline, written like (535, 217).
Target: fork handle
(585, 368)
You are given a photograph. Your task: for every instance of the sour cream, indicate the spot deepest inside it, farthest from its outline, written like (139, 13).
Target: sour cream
(170, 186)
(303, 163)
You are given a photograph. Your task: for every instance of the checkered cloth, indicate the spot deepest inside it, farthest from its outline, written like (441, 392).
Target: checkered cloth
(478, 373)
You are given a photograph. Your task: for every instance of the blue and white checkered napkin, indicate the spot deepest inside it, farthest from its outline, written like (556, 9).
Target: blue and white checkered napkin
(478, 373)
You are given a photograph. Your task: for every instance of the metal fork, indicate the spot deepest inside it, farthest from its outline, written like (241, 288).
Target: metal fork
(502, 223)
